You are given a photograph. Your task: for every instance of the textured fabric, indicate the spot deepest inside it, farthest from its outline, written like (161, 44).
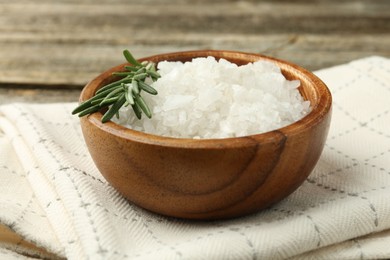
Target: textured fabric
(53, 196)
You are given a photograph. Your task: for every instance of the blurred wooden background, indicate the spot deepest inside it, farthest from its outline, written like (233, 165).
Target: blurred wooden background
(50, 49)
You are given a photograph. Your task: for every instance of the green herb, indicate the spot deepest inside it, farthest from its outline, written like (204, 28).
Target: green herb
(123, 92)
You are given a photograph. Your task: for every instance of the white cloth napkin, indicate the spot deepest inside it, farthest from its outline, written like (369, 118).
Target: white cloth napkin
(52, 195)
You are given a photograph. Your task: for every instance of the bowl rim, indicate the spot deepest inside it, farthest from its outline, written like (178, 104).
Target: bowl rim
(313, 118)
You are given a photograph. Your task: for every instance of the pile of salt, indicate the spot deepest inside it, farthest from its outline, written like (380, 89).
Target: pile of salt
(208, 99)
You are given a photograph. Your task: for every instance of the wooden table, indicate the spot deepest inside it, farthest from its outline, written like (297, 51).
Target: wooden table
(50, 49)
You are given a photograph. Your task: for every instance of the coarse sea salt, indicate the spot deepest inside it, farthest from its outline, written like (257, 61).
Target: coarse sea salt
(206, 98)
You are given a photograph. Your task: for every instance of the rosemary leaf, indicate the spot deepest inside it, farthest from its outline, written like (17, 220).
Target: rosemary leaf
(140, 70)
(108, 101)
(141, 103)
(149, 66)
(130, 58)
(89, 110)
(114, 108)
(153, 74)
(131, 68)
(147, 88)
(137, 110)
(140, 76)
(129, 94)
(114, 92)
(135, 88)
(84, 105)
(97, 101)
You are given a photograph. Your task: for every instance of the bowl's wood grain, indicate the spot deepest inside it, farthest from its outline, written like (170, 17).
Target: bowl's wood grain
(215, 178)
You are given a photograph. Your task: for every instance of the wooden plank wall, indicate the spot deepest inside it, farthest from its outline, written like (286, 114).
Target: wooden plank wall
(60, 43)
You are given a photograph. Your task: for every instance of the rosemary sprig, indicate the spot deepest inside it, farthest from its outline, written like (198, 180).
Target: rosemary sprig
(123, 92)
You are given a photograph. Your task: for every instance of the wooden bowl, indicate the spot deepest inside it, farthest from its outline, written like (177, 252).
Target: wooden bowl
(210, 178)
